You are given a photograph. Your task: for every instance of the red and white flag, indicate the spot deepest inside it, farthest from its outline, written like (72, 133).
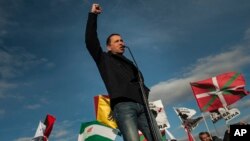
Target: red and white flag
(49, 122)
(44, 129)
(39, 132)
(219, 91)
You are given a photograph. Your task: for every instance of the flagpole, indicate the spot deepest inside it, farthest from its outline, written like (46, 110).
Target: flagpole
(216, 130)
(206, 124)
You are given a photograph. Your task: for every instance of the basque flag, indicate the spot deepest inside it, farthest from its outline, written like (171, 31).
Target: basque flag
(219, 91)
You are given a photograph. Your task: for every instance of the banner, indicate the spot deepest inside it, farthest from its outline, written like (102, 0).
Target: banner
(215, 116)
(160, 115)
(229, 114)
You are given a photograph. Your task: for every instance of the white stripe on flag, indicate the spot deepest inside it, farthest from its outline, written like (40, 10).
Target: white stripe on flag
(217, 92)
(100, 130)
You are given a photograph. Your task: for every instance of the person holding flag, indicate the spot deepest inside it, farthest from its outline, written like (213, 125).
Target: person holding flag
(121, 79)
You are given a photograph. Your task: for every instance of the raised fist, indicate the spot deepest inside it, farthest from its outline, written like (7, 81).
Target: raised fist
(96, 8)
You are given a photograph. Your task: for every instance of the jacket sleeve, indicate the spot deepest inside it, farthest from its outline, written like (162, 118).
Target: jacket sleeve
(91, 38)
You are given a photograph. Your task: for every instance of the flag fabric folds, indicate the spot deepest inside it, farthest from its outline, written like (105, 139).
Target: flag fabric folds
(160, 115)
(185, 115)
(44, 129)
(39, 135)
(190, 136)
(103, 110)
(49, 122)
(96, 131)
(219, 91)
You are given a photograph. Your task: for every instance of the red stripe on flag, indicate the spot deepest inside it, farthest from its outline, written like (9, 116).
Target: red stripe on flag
(49, 122)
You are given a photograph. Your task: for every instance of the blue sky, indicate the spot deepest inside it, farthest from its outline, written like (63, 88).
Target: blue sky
(45, 67)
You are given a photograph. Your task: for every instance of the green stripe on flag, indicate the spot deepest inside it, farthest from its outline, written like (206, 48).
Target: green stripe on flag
(96, 131)
(230, 81)
(209, 103)
(97, 138)
(230, 93)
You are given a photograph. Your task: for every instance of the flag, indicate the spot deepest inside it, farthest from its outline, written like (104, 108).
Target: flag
(103, 110)
(190, 136)
(184, 113)
(39, 132)
(191, 124)
(96, 131)
(49, 122)
(159, 113)
(44, 129)
(219, 91)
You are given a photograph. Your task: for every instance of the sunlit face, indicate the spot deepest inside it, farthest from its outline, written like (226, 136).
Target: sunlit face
(205, 137)
(116, 45)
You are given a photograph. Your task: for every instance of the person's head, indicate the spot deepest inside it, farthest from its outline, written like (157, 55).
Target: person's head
(205, 136)
(115, 44)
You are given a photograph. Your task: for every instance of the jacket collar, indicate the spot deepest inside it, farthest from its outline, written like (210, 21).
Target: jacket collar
(122, 57)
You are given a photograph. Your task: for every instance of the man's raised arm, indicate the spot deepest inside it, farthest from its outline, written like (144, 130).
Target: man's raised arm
(91, 37)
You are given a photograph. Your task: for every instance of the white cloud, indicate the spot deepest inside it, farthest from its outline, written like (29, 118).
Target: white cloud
(13, 63)
(230, 60)
(6, 85)
(178, 89)
(246, 119)
(247, 34)
(242, 104)
(63, 131)
(33, 107)
(23, 139)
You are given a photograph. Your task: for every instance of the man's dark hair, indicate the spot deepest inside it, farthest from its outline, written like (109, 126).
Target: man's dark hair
(108, 39)
(202, 133)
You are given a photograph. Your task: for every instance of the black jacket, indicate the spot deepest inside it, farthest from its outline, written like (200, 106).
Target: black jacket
(118, 73)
